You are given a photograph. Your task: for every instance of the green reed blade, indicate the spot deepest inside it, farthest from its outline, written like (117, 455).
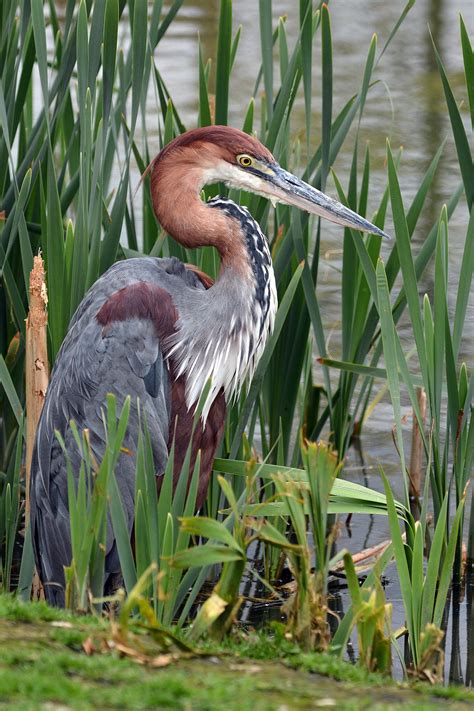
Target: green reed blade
(247, 126)
(339, 641)
(419, 200)
(284, 100)
(95, 42)
(367, 371)
(224, 44)
(282, 47)
(14, 222)
(433, 566)
(54, 260)
(109, 51)
(464, 286)
(82, 55)
(204, 110)
(350, 268)
(209, 554)
(121, 534)
(390, 353)
(439, 315)
(167, 20)
(417, 577)
(342, 490)
(326, 91)
(306, 40)
(25, 248)
(39, 31)
(460, 138)
(111, 238)
(10, 392)
(209, 528)
(401, 561)
(25, 81)
(396, 27)
(468, 58)
(447, 566)
(406, 261)
(266, 45)
(139, 44)
(13, 292)
(235, 46)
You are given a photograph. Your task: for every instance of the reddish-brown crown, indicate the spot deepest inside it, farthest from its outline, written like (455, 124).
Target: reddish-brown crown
(230, 142)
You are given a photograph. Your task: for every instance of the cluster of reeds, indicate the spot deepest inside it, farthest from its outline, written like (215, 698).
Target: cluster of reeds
(60, 194)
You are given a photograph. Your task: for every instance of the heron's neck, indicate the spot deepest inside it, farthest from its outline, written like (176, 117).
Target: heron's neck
(192, 223)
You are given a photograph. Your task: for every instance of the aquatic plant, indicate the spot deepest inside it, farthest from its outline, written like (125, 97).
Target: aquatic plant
(424, 591)
(307, 609)
(372, 615)
(88, 507)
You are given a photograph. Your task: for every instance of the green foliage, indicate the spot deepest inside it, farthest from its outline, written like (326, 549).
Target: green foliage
(373, 617)
(307, 610)
(87, 502)
(10, 513)
(424, 592)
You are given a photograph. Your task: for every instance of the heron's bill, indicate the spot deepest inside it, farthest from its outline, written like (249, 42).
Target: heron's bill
(289, 189)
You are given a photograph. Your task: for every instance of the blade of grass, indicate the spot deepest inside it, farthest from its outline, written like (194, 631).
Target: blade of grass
(224, 44)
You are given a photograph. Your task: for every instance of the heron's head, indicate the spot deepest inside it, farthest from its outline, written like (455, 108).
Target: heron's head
(224, 154)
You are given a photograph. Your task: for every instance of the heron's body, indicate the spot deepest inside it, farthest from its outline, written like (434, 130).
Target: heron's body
(157, 330)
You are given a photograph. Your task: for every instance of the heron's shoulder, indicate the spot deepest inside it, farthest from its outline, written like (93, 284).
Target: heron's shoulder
(169, 274)
(146, 269)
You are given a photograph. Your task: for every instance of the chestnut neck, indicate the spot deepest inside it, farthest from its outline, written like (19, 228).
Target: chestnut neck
(175, 189)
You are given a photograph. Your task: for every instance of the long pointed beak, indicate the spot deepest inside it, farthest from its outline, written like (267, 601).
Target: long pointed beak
(289, 189)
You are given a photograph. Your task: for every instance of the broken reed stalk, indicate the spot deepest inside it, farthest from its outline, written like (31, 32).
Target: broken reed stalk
(37, 370)
(416, 456)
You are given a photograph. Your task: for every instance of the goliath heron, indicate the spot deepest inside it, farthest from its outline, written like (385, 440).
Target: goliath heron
(157, 330)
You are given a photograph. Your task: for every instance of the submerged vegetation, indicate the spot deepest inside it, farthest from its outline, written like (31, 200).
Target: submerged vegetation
(60, 194)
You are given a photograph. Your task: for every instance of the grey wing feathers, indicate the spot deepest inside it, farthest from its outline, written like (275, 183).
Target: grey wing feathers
(125, 358)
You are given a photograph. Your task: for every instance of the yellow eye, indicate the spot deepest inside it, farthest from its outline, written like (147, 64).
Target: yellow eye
(245, 161)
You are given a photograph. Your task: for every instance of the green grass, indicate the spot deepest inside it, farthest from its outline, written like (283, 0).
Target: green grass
(42, 664)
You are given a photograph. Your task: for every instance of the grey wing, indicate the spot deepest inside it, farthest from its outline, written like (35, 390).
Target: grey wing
(123, 358)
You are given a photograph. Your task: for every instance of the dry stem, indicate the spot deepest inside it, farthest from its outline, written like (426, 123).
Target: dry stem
(37, 373)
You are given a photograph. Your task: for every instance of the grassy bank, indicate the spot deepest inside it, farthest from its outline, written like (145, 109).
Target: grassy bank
(44, 666)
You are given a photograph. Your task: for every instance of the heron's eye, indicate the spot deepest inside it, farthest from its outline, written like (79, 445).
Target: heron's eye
(245, 161)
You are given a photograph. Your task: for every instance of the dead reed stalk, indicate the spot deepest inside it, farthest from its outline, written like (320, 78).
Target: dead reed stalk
(37, 369)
